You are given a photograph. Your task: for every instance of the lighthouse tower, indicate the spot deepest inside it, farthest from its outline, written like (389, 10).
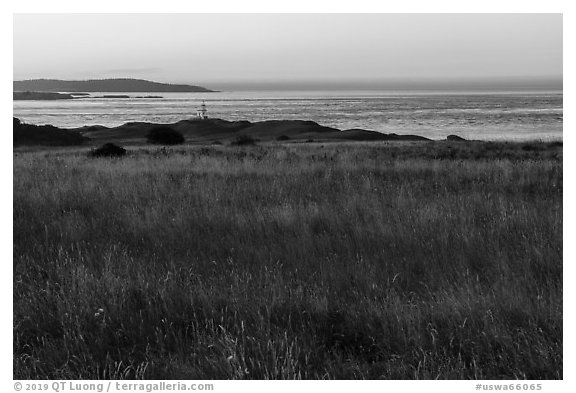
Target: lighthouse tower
(202, 113)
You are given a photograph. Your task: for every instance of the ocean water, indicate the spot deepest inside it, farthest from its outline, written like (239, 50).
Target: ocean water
(486, 116)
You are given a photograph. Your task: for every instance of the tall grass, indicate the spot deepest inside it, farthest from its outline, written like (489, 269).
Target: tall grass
(289, 261)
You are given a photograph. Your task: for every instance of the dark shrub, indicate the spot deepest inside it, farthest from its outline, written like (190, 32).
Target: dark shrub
(283, 138)
(309, 140)
(243, 140)
(533, 147)
(455, 138)
(164, 135)
(16, 123)
(108, 150)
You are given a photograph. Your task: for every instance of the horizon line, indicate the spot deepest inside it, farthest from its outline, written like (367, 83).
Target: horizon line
(498, 83)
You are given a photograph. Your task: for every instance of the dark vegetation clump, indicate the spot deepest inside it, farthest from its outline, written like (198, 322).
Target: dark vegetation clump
(455, 138)
(210, 151)
(162, 152)
(47, 135)
(283, 138)
(533, 147)
(108, 150)
(165, 135)
(244, 140)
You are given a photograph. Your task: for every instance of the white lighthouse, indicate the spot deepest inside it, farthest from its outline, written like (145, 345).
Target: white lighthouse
(202, 113)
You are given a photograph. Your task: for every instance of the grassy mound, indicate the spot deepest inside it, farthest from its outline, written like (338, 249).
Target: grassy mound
(29, 134)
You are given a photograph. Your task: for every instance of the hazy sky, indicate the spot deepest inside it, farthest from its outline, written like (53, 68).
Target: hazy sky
(216, 50)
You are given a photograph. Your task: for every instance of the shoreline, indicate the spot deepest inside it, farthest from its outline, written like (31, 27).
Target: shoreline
(213, 130)
(484, 117)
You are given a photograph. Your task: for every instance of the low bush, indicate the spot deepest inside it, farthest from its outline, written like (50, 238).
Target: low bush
(164, 135)
(108, 150)
(243, 140)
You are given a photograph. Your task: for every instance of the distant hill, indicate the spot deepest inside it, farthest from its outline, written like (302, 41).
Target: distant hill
(104, 85)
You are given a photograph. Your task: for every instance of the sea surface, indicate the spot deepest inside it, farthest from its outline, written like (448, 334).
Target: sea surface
(485, 116)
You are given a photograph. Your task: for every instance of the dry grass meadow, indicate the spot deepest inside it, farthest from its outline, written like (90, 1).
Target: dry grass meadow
(288, 261)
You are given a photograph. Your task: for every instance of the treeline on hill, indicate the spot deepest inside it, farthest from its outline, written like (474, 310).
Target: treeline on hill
(47, 135)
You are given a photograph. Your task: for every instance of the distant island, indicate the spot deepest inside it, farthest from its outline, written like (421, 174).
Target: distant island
(40, 95)
(125, 85)
(43, 95)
